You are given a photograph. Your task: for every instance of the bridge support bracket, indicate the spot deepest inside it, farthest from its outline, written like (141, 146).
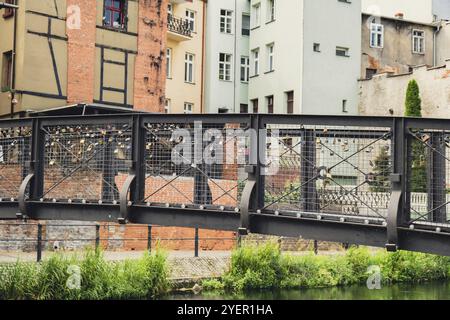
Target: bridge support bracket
(123, 197)
(245, 207)
(23, 210)
(392, 221)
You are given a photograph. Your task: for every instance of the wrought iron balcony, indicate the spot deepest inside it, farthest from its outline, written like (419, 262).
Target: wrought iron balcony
(178, 28)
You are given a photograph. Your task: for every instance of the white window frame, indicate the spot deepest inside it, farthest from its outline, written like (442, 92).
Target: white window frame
(256, 14)
(255, 57)
(270, 10)
(376, 35)
(190, 19)
(270, 57)
(188, 108)
(225, 66)
(226, 21)
(245, 69)
(419, 40)
(169, 62)
(189, 71)
(167, 105)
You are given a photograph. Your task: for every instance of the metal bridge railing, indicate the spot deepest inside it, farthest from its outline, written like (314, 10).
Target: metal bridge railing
(358, 170)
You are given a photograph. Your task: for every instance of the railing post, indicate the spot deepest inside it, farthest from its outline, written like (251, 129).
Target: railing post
(398, 211)
(39, 243)
(97, 237)
(196, 240)
(37, 160)
(138, 157)
(149, 238)
(316, 247)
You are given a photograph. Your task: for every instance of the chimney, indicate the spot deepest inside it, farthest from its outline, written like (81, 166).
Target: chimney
(399, 15)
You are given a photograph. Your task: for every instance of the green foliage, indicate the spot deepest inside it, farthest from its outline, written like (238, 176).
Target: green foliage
(413, 108)
(382, 171)
(413, 103)
(258, 267)
(130, 279)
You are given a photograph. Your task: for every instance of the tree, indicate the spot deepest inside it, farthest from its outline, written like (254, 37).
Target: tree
(413, 108)
(382, 170)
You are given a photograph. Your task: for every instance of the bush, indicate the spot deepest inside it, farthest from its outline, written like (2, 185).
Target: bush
(131, 279)
(264, 267)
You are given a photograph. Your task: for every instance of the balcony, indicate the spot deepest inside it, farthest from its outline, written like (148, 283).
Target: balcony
(178, 29)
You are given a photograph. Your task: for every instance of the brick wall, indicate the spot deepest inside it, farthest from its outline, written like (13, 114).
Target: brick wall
(150, 67)
(81, 54)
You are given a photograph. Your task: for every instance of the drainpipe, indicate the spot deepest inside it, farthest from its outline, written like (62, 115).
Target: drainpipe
(434, 44)
(202, 84)
(13, 63)
(236, 58)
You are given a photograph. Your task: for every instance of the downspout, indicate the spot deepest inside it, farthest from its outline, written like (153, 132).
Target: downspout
(202, 84)
(434, 44)
(236, 59)
(13, 63)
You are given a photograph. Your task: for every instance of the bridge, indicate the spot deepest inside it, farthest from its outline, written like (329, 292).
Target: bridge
(376, 181)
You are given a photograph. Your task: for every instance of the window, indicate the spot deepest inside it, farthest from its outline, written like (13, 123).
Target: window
(9, 12)
(342, 52)
(6, 71)
(256, 15)
(255, 54)
(189, 68)
(418, 41)
(270, 57)
(226, 21)
(244, 108)
(245, 24)
(245, 68)
(190, 19)
(225, 66)
(255, 105)
(188, 107)
(316, 47)
(344, 106)
(170, 9)
(114, 14)
(271, 10)
(167, 106)
(169, 62)
(376, 35)
(290, 102)
(269, 100)
(370, 73)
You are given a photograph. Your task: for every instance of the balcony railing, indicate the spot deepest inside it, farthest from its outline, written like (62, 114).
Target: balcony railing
(179, 26)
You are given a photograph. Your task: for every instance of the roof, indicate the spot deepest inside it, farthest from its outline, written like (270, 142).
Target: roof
(433, 25)
(81, 109)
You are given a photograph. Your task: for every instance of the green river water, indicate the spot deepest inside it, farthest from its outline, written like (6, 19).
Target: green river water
(423, 291)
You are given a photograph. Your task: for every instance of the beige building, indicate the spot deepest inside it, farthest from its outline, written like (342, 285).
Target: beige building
(185, 56)
(60, 52)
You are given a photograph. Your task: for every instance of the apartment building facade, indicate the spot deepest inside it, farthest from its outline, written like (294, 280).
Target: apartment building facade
(55, 53)
(297, 65)
(185, 59)
(227, 56)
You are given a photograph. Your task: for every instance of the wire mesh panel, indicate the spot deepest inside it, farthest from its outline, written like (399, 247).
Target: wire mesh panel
(15, 151)
(340, 171)
(428, 177)
(86, 162)
(195, 164)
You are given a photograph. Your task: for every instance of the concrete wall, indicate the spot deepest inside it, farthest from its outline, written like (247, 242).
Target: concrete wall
(177, 90)
(287, 33)
(414, 10)
(329, 79)
(385, 92)
(443, 44)
(218, 93)
(396, 55)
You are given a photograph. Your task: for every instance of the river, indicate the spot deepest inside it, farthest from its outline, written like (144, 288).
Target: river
(427, 291)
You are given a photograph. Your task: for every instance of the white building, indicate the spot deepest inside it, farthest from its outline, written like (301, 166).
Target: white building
(424, 11)
(227, 56)
(305, 56)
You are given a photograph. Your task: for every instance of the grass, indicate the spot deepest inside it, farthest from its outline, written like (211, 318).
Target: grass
(264, 267)
(144, 278)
